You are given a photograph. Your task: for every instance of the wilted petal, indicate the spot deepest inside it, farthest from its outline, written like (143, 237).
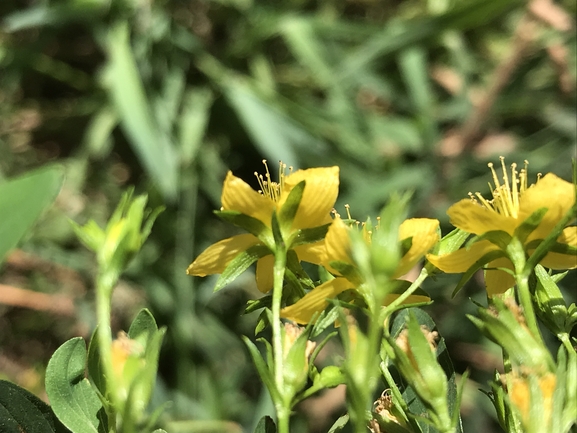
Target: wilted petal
(552, 192)
(265, 273)
(461, 260)
(474, 218)
(497, 281)
(319, 196)
(215, 258)
(315, 301)
(237, 195)
(424, 232)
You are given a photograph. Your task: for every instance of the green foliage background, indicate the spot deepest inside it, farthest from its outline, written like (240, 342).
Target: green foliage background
(168, 95)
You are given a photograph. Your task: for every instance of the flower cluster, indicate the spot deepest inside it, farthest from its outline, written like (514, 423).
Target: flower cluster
(512, 237)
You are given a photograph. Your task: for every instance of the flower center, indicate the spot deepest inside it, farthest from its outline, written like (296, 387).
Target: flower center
(268, 187)
(506, 195)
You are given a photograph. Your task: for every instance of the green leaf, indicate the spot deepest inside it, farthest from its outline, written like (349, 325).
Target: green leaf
(289, 209)
(143, 327)
(262, 369)
(122, 81)
(240, 264)
(250, 224)
(194, 121)
(498, 237)
(73, 399)
(21, 411)
(265, 425)
(308, 236)
(22, 201)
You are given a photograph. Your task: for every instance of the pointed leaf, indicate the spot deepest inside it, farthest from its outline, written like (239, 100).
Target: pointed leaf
(289, 209)
(248, 223)
(263, 370)
(265, 425)
(22, 201)
(240, 264)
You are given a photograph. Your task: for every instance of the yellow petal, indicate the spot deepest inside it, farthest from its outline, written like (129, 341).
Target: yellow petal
(315, 301)
(474, 218)
(496, 281)
(551, 192)
(319, 195)
(563, 261)
(237, 195)
(337, 244)
(216, 258)
(461, 260)
(425, 236)
(265, 274)
(311, 253)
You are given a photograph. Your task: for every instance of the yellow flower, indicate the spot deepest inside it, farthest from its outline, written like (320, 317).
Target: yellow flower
(318, 198)
(513, 202)
(424, 235)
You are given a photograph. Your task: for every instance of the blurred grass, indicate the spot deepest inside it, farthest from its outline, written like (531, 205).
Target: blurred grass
(168, 95)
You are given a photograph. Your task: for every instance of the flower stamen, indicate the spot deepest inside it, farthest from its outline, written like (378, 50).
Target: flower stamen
(268, 187)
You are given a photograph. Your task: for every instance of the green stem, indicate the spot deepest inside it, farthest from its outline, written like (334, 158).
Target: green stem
(527, 305)
(104, 285)
(282, 405)
(392, 307)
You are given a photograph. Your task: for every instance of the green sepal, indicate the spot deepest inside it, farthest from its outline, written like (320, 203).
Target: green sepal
(262, 369)
(489, 257)
(347, 270)
(497, 237)
(240, 264)
(290, 207)
(550, 304)
(21, 411)
(295, 366)
(308, 236)
(248, 223)
(529, 225)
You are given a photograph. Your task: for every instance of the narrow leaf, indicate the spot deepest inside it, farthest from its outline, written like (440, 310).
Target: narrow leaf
(22, 201)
